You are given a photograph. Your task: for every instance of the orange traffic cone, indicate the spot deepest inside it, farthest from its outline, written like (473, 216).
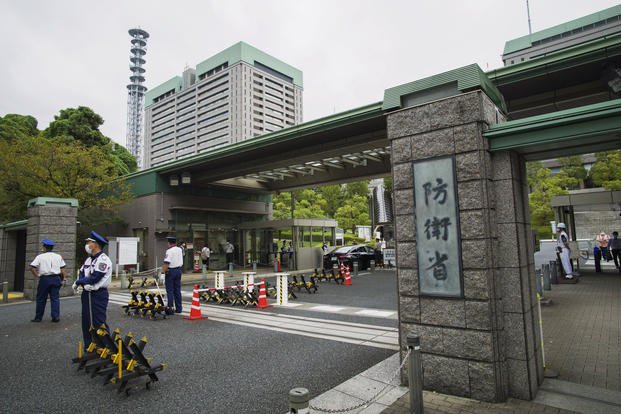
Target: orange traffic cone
(262, 296)
(347, 277)
(195, 311)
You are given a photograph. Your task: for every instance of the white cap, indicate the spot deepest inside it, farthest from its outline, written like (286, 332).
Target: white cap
(561, 225)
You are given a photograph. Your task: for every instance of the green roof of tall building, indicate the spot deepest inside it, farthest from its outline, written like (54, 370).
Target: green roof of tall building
(527, 41)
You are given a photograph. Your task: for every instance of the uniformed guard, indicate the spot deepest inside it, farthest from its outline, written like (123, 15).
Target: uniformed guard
(49, 267)
(95, 275)
(172, 270)
(564, 252)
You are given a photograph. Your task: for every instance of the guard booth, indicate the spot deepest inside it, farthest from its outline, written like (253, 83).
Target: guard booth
(261, 241)
(13, 254)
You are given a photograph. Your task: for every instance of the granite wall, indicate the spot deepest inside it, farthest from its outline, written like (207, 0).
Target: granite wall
(484, 345)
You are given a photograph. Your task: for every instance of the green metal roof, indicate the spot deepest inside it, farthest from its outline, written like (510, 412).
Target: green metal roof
(525, 42)
(467, 78)
(594, 50)
(174, 83)
(319, 125)
(554, 130)
(15, 225)
(243, 52)
(44, 201)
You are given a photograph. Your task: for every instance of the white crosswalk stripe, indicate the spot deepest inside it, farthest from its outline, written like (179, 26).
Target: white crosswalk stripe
(348, 332)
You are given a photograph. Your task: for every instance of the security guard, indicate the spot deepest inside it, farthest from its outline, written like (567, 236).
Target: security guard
(95, 275)
(49, 267)
(172, 269)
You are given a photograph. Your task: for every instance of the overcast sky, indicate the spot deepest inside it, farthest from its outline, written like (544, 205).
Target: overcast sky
(66, 53)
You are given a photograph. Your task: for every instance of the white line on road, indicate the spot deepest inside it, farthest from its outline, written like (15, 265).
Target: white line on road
(354, 333)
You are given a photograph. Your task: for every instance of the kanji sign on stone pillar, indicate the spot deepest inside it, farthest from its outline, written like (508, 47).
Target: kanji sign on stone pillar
(437, 226)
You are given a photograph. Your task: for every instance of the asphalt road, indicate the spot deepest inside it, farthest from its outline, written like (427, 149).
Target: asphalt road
(212, 366)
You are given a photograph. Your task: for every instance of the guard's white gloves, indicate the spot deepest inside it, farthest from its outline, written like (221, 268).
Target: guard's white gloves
(88, 288)
(75, 286)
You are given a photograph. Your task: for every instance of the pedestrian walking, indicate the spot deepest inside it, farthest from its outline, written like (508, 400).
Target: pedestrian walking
(615, 249)
(172, 271)
(94, 277)
(205, 253)
(603, 239)
(49, 267)
(229, 249)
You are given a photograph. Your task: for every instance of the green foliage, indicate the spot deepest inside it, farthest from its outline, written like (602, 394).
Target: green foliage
(81, 125)
(573, 167)
(47, 167)
(606, 171)
(543, 187)
(353, 213)
(308, 204)
(333, 196)
(13, 126)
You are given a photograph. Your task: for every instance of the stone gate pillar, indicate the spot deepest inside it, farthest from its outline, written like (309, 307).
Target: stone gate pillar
(480, 343)
(55, 219)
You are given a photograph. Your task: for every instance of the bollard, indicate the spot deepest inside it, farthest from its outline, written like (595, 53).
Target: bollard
(254, 266)
(355, 265)
(415, 375)
(275, 263)
(538, 285)
(372, 266)
(123, 280)
(298, 401)
(231, 268)
(553, 272)
(546, 279)
(204, 272)
(5, 292)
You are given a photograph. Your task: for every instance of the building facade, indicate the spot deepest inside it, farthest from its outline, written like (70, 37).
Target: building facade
(237, 94)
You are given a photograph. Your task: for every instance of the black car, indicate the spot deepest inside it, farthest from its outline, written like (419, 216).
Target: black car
(348, 254)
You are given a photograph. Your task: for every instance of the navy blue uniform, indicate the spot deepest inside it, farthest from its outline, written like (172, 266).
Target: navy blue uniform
(95, 275)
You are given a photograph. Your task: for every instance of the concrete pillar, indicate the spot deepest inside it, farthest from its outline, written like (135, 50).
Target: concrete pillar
(481, 345)
(51, 218)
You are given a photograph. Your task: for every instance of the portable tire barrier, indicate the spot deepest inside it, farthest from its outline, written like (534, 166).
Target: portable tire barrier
(119, 361)
(311, 287)
(147, 304)
(236, 294)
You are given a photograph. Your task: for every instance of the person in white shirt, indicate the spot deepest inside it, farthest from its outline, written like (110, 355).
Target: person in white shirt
(49, 267)
(205, 253)
(172, 269)
(94, 277)
(229, 249)
(562, 243)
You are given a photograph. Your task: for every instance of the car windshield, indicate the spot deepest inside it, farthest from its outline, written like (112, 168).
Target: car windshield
(344, 249)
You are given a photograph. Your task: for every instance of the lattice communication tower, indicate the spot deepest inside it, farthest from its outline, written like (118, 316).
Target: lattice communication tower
(135, 93)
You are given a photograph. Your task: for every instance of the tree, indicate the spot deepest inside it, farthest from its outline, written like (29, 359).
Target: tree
(543, 187)
(572, 166)
(606, 171)
(49, 167)
(355, 212)
(308, 204)
(333, 196)
(81, 125)
(13, 126)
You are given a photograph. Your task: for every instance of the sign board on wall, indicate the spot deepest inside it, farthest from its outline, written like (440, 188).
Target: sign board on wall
(438, 242)
(123, 250)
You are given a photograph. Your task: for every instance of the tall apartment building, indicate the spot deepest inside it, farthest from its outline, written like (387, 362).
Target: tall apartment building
(237, 94)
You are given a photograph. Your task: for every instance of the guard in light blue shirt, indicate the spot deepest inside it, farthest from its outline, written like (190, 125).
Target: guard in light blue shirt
(172, 269)
(49, 267)
(95, 275)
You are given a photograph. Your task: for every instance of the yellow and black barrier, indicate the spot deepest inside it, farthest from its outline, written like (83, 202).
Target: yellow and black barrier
(119, 360)
(147, 304)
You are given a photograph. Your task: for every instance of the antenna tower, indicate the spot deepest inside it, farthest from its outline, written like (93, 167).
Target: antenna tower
(135, 92)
